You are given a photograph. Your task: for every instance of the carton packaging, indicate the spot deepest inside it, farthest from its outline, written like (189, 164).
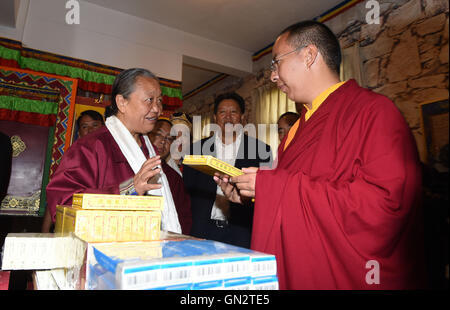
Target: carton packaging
(181, 264)
(209, 164)
(107, 225)
(38, 251)
(117, 202)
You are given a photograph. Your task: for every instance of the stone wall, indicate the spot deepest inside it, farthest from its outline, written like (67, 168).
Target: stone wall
(404, 57)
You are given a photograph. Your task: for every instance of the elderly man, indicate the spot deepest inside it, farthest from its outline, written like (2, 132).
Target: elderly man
(161, 140)
(212, 215)
(341, 209)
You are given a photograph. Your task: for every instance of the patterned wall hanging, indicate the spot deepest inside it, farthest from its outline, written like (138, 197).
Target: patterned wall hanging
(91, 77)
(39, 109)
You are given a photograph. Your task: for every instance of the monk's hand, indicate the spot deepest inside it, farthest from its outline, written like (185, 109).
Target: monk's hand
(245, 183)
(229, 190)
(147, 177)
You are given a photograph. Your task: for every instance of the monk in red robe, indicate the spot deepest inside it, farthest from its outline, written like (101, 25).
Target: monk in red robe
(341, 208)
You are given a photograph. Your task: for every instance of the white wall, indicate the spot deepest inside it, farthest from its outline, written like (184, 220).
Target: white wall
(15, 33)
(120, 40)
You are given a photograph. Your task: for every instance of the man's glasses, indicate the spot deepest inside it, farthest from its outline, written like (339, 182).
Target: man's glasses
(276, 61)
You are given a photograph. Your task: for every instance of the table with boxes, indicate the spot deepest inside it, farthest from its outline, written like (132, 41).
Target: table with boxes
(113, 242)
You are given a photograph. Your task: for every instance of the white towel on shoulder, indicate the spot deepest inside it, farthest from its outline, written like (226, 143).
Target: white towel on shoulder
(136, 158)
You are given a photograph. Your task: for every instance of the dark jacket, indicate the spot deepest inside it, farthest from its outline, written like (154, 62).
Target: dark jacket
(202, 190)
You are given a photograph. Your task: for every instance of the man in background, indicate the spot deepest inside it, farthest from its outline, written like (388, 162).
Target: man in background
(214, 217)
(285, 122)
(162, 140)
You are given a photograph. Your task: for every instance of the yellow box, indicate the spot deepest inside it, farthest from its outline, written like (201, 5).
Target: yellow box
(209, 164)
(107, 226)
(117, 202)
(59, 219)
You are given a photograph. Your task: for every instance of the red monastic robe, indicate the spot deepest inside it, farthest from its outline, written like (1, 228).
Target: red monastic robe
(345, 193)
(95, 164)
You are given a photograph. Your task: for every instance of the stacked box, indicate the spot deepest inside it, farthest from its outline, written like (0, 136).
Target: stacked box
(117, 202)
(109, 218)
(109, 226)
(182, 264)
(40, 251)
(176, 262)
(265, 283)
(59, 222)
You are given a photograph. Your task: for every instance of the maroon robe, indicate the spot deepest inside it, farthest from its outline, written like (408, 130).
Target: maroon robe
(346, 191)
(95, 164)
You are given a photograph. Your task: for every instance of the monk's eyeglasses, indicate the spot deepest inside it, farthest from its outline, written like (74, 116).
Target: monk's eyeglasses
(276, 60)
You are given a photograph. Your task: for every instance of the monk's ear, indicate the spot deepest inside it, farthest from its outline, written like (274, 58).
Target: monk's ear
(311, 53)
(121, 103)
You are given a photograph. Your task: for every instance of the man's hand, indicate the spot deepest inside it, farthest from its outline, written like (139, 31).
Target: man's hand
(246, 182)
(229, 190)
(237, 189)
(142, 179)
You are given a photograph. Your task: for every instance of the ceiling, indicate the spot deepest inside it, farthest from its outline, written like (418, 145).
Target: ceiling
(250, 25)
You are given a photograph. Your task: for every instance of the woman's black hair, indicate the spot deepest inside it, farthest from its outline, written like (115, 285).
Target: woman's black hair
(124, 85)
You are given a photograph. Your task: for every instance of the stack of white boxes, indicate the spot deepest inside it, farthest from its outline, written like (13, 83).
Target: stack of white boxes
(174, 262)
(57, 259)
(180, 264)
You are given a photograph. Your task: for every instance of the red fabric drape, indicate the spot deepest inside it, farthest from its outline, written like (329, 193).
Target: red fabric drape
(28, 117)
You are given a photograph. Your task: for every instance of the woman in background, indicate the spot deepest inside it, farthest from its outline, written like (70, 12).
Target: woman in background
(88, 121)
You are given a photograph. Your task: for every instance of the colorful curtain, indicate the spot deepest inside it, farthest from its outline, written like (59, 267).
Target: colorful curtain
(28, 104)
(39, 99)
(91, 76)
(270, 104)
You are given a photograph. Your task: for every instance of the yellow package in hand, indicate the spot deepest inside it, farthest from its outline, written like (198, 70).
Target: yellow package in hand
(209, 164)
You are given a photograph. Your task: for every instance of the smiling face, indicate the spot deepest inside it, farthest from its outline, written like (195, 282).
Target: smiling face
(161, 138)
(140, 111)
(290, 74)
(228, 112)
